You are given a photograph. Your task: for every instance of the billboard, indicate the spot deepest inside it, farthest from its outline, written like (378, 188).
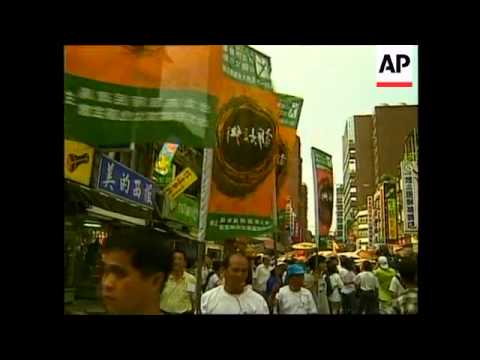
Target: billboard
(323, 190)
(247, 142)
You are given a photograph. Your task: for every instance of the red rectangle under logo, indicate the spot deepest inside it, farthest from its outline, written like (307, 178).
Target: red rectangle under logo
(394, 84)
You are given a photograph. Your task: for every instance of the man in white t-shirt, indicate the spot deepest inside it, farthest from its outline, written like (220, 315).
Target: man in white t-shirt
(396, 287)
(234, 297)
(262, 273)
(294, 298)
(368, 286)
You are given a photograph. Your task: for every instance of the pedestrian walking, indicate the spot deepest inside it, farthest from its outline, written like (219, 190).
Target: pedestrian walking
(262, 273)
(135, 267)
(178, 297)
(407, 302)
(275, 282)
(294, 298)
(348, 290)
(235, 296)
(206, 269)
(334, 284)
(397, 286)
(214, 278)
(385, 274)
(321, 287)
(367, 284)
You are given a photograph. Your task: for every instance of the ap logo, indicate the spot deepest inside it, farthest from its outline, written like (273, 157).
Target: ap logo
(394, 65)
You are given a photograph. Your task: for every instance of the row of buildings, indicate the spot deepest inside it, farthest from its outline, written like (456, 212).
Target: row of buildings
(378, 200)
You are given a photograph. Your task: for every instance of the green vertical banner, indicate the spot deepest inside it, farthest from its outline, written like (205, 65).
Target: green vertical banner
(323, 190)
(287, 169)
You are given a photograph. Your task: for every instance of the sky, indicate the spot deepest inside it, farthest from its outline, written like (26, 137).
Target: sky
(336, 82)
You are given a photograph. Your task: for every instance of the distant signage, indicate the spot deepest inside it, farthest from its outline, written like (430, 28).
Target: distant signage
(78, 162)
(391, 210)
(118, 179)
(184, 209)
(181, 183)
(370, 218)
(410, 197)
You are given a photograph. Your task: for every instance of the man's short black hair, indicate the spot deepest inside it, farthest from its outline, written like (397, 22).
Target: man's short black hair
(216, 265)
(226, 261)
(180, 251)
(149, 252)
(408, 269)
(321, 259)
(367, 265)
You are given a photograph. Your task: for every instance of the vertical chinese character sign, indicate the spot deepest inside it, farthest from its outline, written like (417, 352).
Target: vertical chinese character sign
(288, 160)
(323, 190)
(391, 212)
(410, 197)
(115, 95)
(241, 198)
(370, 219)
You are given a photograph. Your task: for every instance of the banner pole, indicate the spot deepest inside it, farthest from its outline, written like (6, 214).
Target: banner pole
(207, 167)
(275, 220)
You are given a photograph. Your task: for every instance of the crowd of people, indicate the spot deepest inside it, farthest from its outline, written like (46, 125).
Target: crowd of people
(140, 276)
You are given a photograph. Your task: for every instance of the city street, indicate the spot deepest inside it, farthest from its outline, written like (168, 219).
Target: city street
(237, 179)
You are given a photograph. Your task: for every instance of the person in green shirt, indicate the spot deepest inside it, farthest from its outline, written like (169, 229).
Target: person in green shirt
(384, 274)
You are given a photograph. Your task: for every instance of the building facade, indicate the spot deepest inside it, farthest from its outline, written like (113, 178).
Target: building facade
(361, 227)
(358, 169)
(391, 126)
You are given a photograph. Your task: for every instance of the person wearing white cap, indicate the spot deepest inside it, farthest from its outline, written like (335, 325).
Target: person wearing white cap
(384, 274)
(294, 298)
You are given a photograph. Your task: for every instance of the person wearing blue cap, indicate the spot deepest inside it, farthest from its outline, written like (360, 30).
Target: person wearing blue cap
(294, 298)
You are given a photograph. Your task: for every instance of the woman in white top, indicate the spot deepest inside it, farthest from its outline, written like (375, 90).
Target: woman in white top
(336, 284)
(321, 287)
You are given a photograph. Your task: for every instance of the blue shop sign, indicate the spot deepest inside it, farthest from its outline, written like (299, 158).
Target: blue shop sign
(117, 179)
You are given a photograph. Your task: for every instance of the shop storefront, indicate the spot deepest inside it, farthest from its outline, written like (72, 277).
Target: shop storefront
(99, 192)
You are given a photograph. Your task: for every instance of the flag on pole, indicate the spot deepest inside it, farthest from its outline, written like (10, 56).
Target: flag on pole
(323, 190)
(241, 201)
(287, 169)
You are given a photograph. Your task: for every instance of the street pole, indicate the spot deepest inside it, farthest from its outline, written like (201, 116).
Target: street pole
(275, 220)
(207, 166)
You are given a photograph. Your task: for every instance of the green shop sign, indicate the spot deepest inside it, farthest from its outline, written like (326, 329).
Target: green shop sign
(184, 209)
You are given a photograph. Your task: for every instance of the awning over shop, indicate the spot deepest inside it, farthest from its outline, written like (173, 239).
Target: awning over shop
(79, 199)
